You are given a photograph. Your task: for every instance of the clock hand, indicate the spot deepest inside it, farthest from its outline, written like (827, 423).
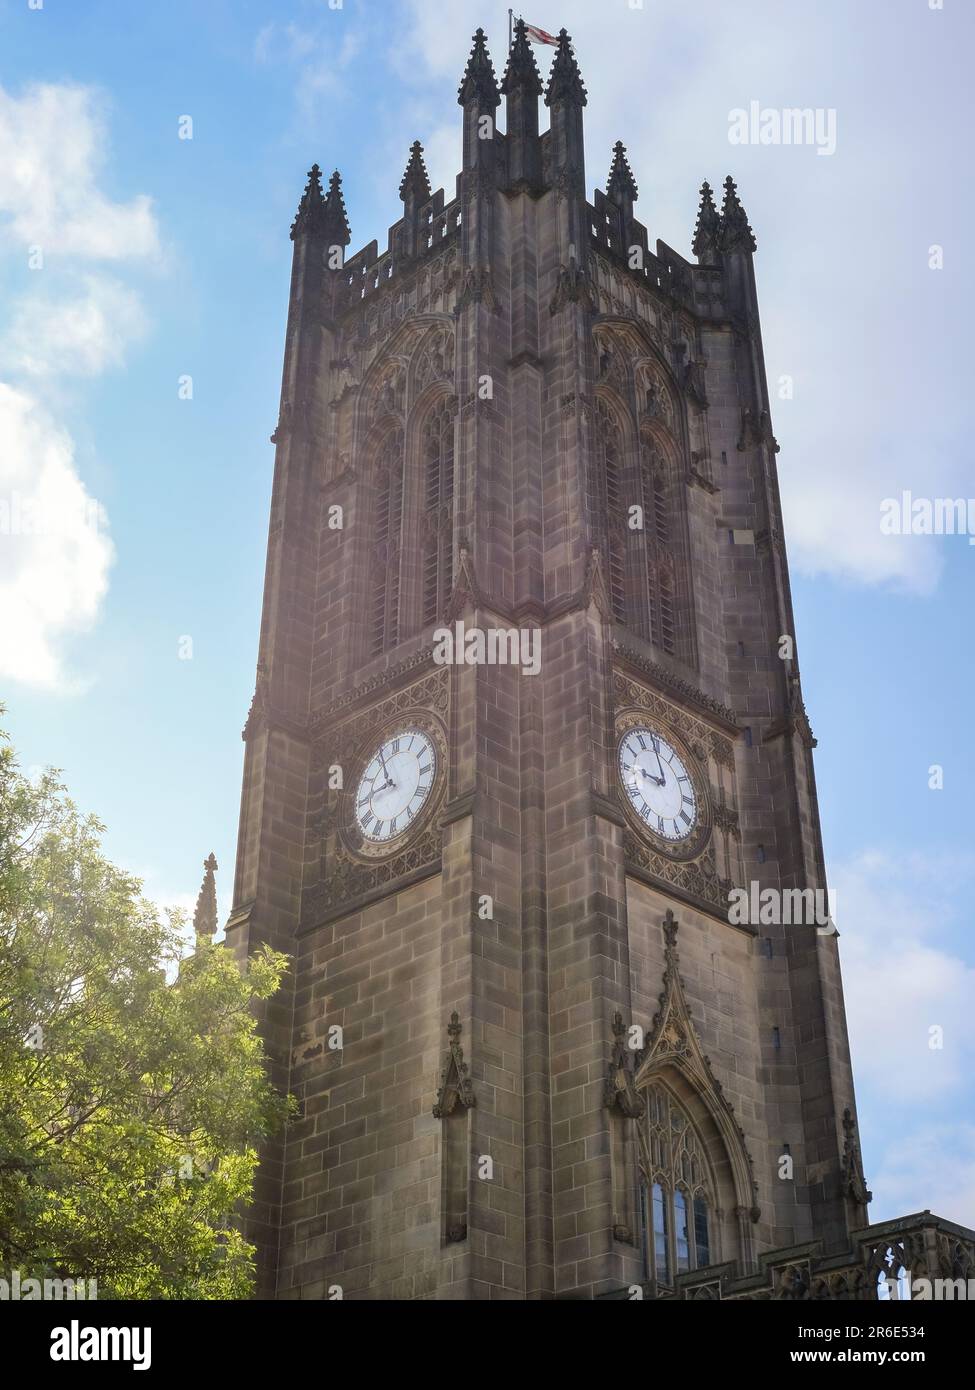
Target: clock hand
(643, 773)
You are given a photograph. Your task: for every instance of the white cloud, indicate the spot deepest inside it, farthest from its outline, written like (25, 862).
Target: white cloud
(55, 553)
(930, 1167)
(901, 979)
(903, 952)
(53, 333)
(53, 142)
(825, 264)
(320, 55)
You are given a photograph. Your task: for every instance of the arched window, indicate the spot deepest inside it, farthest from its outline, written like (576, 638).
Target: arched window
(387, 528)
(607, 504)
(678, 1197)
(438, 498)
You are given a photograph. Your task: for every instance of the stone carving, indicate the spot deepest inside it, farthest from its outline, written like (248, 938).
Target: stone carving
(653, 396)
(610, 363)
(478, 288)
(694, 381)
(619, 1090)
(698, 878)
(456, 1087)
(756, 431)
(435, 361)
(573, 287)
(257, 714)
(346, 382)
(669, 681)
(854, 1182)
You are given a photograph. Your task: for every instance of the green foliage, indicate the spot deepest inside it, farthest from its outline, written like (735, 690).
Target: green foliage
(132, 1086)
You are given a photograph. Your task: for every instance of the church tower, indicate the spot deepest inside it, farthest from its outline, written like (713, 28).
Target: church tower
(527, 732)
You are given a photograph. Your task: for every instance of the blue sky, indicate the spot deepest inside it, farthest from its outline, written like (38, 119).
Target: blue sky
(164, 258)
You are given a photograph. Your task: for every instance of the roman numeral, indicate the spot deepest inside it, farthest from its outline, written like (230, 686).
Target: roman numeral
(688, 800)
(424, 770)
(640, 741)
(660, 825)
(685, 818)
(395, 745)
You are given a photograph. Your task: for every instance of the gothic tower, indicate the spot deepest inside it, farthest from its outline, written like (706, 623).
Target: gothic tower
(536, 1052)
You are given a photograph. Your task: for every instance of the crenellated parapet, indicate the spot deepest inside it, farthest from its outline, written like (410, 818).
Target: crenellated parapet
(522, 161)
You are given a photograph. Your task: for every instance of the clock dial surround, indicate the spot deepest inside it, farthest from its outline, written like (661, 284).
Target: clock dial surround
(662, 788)
(395, 785)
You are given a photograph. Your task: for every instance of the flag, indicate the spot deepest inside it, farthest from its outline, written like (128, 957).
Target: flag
(540, 35)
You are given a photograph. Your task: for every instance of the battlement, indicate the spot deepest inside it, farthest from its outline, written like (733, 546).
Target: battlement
(524, 161)
(439, 227)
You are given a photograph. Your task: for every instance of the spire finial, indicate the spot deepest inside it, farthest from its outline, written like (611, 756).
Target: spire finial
(565, 81)
(335, 217)
(621, 184)
(736, 234)
(479, 82)
(312, 206)
(522, 70)
(416, 179)
(708, 225)
(205, 913)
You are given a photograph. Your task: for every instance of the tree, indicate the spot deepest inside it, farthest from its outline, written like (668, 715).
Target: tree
(133, 1093)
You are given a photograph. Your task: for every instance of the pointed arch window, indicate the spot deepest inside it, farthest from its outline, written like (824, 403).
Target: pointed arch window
(384, 597)
(438, 506)
(678, 1195)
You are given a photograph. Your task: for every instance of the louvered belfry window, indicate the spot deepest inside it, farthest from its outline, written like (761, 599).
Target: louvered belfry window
(660, 564)
(438, 498)
(384, 609)
(607, 503)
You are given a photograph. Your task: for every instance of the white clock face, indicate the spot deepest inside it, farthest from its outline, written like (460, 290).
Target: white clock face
(657, 784)
(395, 785)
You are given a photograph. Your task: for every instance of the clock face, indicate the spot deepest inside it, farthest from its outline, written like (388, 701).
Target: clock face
(395, 785)
(657, 784)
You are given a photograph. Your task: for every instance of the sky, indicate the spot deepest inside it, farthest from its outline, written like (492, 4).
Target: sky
(151, 159)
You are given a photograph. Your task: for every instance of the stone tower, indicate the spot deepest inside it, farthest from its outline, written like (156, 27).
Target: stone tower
(536, 1052)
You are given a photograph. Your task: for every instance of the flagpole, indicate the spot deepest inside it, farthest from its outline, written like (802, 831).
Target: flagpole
(509, 31)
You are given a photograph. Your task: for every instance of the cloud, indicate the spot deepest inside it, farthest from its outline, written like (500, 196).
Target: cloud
(320, 56)
(55, 552)
(901, 977)
(52, 147)
(929, 1167)
(825, 263)
(52, 334)
(69, 321)
(905, 973)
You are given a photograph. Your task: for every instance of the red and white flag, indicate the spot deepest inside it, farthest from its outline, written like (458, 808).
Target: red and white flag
(540, 35)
